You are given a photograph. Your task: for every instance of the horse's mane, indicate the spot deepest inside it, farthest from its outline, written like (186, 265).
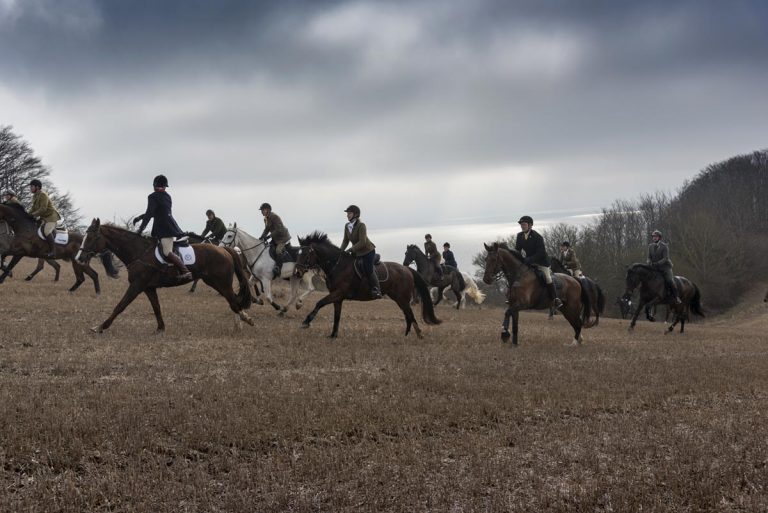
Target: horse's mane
(21, 212)
(316, 237)
(414, 246)
(515, 253)
(122, 229)
(639, 265)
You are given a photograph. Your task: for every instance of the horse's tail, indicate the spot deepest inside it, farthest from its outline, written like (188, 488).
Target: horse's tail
(244, 298)
(474, 292)
(427, 308)
(109, 265)
(696, 301)
(596, 301)
(586, 304)
(600, 299)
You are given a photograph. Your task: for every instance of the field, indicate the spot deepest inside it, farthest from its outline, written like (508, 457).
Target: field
(275, 418)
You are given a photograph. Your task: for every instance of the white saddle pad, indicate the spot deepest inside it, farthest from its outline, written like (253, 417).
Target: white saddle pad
(60, 237)
(187, 255)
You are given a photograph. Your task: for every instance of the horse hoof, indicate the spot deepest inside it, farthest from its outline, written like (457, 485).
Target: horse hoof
(28, 278)
(96, 329)
(332, 336)
(304, 325)
(160, 331)
(505, 336)
(281, 313)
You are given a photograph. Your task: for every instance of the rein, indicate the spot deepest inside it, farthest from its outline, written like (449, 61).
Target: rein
(244, 250)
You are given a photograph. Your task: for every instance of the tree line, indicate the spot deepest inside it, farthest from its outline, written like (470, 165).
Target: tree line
(716, 224)
(19, 165)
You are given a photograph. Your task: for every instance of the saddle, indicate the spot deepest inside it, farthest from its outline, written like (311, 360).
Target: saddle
(60, 234)
(381, 270)
(290, 253)
(182, 248)
(557, 280)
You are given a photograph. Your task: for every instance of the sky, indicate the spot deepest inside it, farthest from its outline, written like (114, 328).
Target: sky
(442, 116)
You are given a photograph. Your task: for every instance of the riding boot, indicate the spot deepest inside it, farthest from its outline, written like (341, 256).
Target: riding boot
(373, 279)
(51, 240)
(186, 275)
(556, 303)
(278, 266)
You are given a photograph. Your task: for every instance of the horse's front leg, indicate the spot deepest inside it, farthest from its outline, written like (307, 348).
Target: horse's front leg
(267, 284)
(515, 325)
(37, 269)
(133, 291)
(640, 306)
(505, 325)
(14, 260)
(336, 319)
(155, 302)
(330, 298)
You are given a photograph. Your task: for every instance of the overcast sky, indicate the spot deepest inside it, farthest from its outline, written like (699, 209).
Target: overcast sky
(453, 117)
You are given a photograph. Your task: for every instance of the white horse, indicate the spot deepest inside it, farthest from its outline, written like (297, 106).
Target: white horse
(470, 289)
(261, 264)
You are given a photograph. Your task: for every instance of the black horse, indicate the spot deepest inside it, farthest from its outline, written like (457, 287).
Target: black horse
(591, 289)
(451, 276)
(345, 282)
(654, 291)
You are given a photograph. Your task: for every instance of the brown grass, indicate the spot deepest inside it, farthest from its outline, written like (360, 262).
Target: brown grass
(275, 418)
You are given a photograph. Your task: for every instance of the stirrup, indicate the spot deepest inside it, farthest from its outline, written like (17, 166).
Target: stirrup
(557, 303)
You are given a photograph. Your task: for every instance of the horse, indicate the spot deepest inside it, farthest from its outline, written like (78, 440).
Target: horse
(526, 292)
(261, 264)
(653, 291)
(470, 289)
(216, 266)
(199, 239)
(451, 276)
(27, 243)
(596, 296)
(625, 308)
(345, 281)
(6, 238)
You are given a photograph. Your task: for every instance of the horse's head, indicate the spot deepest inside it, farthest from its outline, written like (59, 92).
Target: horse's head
(633, 279)
(306, 259)
(93, 242)
(228, 240)
(410, 254)
(492, 262)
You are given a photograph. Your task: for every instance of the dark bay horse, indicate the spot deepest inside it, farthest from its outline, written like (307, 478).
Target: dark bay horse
(653, 292)
(214, 265)
(527, 293)
(397, 282)
(426, 268)
(26, 243)
(590, 286)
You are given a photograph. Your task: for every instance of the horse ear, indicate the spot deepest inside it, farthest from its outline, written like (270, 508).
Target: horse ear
(487, 247)
(234, 225)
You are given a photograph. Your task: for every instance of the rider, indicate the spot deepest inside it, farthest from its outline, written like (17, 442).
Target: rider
(43, 209)
(430, 249)
(531, 244)
(164, 228)
(570, 262)
(274, 227)
(658, 258)
(10, 199)
(450, 260)
(362, 248)
(214, 225)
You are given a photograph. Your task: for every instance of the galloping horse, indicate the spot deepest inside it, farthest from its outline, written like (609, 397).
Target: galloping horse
(261, 264)
(451, 277)
(214, 265)
(470, 289)
(345, 282)
(593, 290)
(653, 292)
(26, 243)
(6, 238)
(526, 292)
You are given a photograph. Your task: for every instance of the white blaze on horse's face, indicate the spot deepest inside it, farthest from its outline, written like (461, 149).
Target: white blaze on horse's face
(228, 238)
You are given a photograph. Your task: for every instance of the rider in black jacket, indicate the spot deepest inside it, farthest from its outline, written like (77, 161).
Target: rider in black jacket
(531, 244)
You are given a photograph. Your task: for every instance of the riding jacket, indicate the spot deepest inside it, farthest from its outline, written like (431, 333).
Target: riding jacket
(42, 207)
(658, 256)
(533, 246)
(216, 227)
(430, 249)
(274, 225)
(361, 245)
(159, 207)
(449, 259)
(570, 261)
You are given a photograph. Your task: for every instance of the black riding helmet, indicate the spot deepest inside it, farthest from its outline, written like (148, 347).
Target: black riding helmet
(566, 244)
(36, 183)
(526, 219)
(160, 181)
(354, 209)
(265, 205)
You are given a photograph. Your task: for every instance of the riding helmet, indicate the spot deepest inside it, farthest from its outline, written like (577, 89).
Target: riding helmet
(36, 183)
(209, 212)
(656, 232)
(265, 205)
(566, 243)
(428, 236)
(526, 219)
(354, 209)
(160, 181)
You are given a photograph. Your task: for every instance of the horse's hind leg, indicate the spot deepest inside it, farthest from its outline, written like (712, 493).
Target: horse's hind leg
(38, 268)
(155, 302)
(458, 298)
(410, 318)
(574, 319)
(229, 295)
(193, 287)
(53, 263)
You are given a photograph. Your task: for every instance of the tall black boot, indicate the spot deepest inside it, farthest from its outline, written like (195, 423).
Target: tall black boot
(278, 266)
(556, 303)
(186, 275)
(373, 279)
(51, 240)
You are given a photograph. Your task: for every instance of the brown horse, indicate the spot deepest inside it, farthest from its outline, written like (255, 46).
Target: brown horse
(26, 243)
(653, 292)
(590, 286)
(344, 282)
(527, 293)
(451, 277)
(214, 265)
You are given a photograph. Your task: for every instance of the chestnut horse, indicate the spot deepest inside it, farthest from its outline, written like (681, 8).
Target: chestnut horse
(653, 292)
(527, 293)
(344, 282)
(214, 265)
(26, 243)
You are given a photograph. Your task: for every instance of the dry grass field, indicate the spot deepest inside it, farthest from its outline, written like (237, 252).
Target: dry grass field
(275, 418)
